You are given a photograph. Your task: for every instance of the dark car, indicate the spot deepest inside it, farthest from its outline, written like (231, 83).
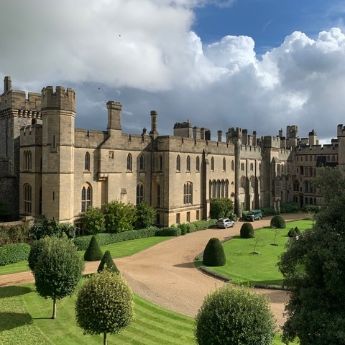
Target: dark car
(253, 215)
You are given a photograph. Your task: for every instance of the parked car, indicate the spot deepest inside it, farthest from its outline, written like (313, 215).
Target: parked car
(253, 215)
(224, 223)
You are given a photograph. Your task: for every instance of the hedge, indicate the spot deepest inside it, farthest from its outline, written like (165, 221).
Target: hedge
(172, 231)
(12, 253)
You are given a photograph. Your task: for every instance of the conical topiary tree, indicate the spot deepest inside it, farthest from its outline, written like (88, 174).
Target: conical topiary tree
(107, 264)
(214, 253)
(93, 251)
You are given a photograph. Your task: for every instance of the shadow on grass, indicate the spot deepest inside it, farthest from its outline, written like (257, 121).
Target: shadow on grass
(13, 291)
(9, 320)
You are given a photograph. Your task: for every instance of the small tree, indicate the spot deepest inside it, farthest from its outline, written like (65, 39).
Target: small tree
(221, 208)
(234, 316)
(145, 215)
(36, 250)
(57, 270)
(104, 305)
(278, 222)
(93, 251)
(214, 253)
(119, 216)
(92, 221)
(107, 263)
(247, 230)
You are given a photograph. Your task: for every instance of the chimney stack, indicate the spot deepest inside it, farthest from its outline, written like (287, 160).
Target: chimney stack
(154, 131)
(7, 84)
(220, 135)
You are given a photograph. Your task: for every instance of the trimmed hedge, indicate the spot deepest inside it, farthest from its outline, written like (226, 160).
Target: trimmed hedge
(14, 234)
(107, 263)
(247, 230)
(172, 231)
(278, 222)
(214, 253)
(12, 253)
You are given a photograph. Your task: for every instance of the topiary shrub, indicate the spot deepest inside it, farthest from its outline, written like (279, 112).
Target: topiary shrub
(234, 316)
(107, 263)
(293, 232)
(278, 222)
(214, 253)
(93, 251)
(247, 230)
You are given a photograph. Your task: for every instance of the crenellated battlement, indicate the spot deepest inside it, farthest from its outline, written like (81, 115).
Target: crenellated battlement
(19, 100)
(60, 98)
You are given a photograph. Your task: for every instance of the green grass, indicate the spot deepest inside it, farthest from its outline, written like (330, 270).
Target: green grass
(244, 267)
(24, 319)
(117, 250)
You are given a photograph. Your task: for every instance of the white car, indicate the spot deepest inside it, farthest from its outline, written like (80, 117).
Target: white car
(224, 223)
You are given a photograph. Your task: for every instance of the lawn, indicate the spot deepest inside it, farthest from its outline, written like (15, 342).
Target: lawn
(244, 267)
(117, 250)
(24, 320)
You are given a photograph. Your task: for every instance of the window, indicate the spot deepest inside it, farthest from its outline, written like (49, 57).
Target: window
(212, 164)
(158, 195)
(188, 217)
(188, 163)
(140, 193)
(251, 166)
(188, 193)
(86, 197)
(178, 163)
(27, 160)
(27, 198)
(160, 162)
(87, 162)
(242, 166)
(178, 218)
(197, 215)
(129, 162)
(232, 165)
(141, 162)
(224, 164)
(197, 164)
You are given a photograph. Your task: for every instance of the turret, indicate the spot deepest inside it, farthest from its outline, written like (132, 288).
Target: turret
(313, 138)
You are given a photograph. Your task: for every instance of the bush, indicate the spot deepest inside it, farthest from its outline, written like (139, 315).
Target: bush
(234, 316)
(221, 208)
(14, 234)
(35, 251)
(293, 232)
(93, 251)
(214, 253)
(92, 221)
(278, 222)
(145, 215)
(289, 207)
(168, 232)
(247, 230)
(119, 216)
(107, 263)
(311, 208)
(44, 227)
(268, 211)
(12, 253)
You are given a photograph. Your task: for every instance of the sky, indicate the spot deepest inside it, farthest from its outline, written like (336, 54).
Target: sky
(255, 64)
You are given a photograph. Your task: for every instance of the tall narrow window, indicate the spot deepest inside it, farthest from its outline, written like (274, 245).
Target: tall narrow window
(158, 195)
(141, 162)
(212, 163)
(86, 197)
(188, 193)
(188, 163)
(87, 162)
(27, 160)
(129, 162)
(140, 193)
(232, 165)
(160, 162)
(224, 164)
(197, 163)
(27, 198)
(178, 163)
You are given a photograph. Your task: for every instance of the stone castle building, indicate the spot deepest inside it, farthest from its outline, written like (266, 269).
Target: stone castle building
(48, 167)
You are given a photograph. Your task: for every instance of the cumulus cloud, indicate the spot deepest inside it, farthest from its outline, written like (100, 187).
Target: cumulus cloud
(143, 53)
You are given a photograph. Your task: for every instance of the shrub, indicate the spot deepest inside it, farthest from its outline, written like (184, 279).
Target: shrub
(145, 215)
(220, 208)
(311, 208)
(214, 253)
(293, 232)
(119, 216)
(104, 304)
(92, 221)
(268, 211)
(234, 316)
(247, 230)
(278, 222)
(107, 263)
(184, 228)
(168, 232)
(14, 234)
(289, 207)
(45, 227)
(93, 251)
(12, 253)
(36, 250)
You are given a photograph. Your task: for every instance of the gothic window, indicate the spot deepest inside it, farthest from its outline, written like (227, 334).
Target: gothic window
(218, 189)
(232, 165)
(251, 166)
(158, 195)
(27, 198)
(188, 193)
(27, 160)
(160, 162)
(86, 197)
(141, 162)
(197, 163)
(188, 163)
(226, 192)
(212, 163)
(178, 163)
(129, 162)
(87, 162)
(224, 164)
(242, 166)
(140, 193)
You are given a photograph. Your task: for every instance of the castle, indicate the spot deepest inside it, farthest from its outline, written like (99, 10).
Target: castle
(48, 167)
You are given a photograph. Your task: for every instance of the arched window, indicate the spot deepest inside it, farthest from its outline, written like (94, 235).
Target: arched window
(160, 162)
(243, 182)
(27, 160)
(27, 198)
(226, 188)
(140, 193)
(214, 189)
(188, 193)
(218, 189)
(197, 163)
(222, 188)
(188, 163)
(86, 197)
(129, 162)
(232, 165)
(251, 166)
(141, 163)
(224, 164)
(87, 162)
(178, 163)
(212, 163)
(158, 195)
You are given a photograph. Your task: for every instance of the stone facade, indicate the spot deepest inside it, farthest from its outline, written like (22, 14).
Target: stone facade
(49, 167)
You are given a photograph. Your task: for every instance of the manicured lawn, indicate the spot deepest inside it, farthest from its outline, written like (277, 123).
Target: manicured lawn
(117, 250)
(24, 320)
(244, 267)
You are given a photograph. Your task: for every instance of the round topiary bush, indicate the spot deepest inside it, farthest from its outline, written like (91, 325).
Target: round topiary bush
(234, 316)
(107, 263)
(247, 230)
(93, 251)
(214, 253)
(278, 222)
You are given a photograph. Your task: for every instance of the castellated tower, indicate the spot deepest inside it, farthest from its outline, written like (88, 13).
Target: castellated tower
(58, 116)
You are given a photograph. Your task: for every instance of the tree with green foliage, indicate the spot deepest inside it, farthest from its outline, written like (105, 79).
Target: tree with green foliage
(214, 253)
(107, 263)
(234, 316)
(119, 216)
(36, 250)
(221, 208)
(93, 251)
(247, 230)
(50, 227)
(104, 305)
(314, 269)
(278, 222)
(92, 221)
(145, 215)
(57, 270)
